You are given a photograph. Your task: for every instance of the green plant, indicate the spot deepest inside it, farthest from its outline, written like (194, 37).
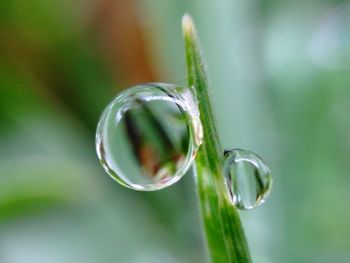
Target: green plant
(223, 229)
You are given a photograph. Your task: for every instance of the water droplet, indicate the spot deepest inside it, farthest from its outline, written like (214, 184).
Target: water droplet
(148, 136)
(248, 178)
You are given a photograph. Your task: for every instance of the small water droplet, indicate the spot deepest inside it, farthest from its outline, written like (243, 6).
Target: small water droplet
(148, 136)
(248, 178)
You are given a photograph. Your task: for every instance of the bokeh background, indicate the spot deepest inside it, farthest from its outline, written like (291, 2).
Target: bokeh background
(280, 78)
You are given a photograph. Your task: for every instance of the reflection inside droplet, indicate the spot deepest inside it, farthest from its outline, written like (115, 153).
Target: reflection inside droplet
(148, 136)
(248, 178)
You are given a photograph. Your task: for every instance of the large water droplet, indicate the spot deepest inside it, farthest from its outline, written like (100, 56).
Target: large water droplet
(248, 178)
(148, 136)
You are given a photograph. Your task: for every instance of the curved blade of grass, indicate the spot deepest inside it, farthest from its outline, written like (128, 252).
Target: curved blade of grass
(224, 232)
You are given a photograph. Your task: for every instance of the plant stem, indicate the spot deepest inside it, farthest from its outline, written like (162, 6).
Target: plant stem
(224, 233)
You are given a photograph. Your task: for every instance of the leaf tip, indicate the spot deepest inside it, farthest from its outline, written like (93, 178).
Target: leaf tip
(187, 24)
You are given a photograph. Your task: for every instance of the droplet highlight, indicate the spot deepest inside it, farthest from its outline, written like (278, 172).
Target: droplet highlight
(148, 136)
(248, 178)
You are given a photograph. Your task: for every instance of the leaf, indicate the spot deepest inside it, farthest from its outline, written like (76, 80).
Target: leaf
(224, 233)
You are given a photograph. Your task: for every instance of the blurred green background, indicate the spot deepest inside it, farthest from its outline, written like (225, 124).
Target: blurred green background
(280, 77)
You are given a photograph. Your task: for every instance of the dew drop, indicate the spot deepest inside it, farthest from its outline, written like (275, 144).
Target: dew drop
(148, 136)
(248, 178)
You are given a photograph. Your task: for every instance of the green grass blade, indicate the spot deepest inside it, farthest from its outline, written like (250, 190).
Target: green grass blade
(223, 229)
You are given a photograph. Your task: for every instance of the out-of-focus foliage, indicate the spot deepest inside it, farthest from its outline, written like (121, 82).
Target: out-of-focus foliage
(280, 79)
